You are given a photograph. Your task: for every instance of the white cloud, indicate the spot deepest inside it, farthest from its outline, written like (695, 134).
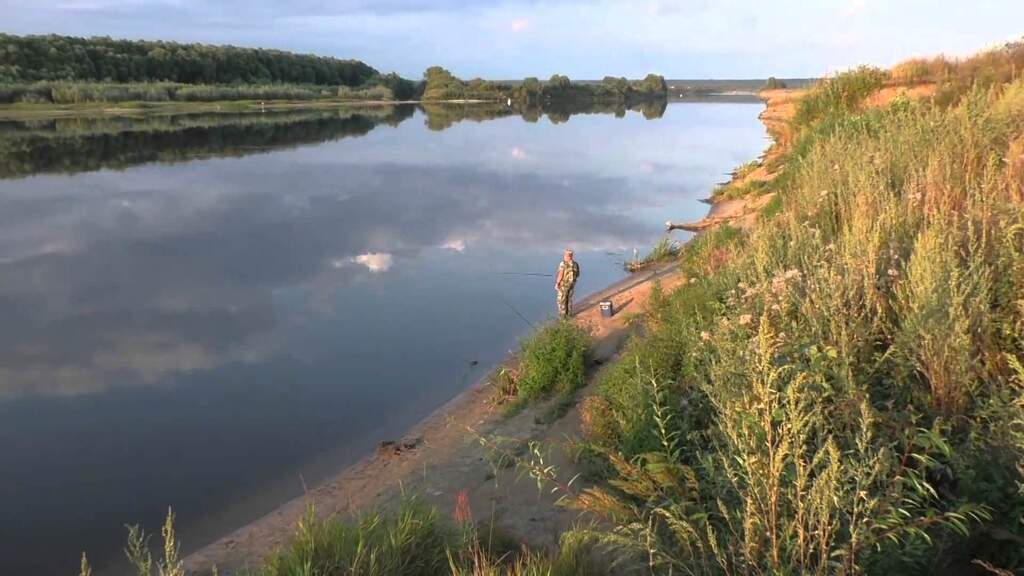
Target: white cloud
(455, 245)
(375, 262)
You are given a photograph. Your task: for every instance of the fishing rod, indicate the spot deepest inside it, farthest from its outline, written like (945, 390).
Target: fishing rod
(527, 274)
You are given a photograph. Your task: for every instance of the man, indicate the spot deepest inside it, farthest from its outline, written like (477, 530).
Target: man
(565, 283)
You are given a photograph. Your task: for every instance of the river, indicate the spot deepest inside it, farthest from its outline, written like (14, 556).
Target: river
(211, 312)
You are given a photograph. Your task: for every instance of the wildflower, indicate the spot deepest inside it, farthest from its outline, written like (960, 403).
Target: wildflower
(462, 513)
(776, 308)
(792, 273)
(892, 273)
(745, 319)
(705, 337)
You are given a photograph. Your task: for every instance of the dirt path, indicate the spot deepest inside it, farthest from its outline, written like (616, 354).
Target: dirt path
(444, 456)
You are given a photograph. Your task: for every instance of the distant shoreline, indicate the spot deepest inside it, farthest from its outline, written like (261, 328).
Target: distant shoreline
(106, 109)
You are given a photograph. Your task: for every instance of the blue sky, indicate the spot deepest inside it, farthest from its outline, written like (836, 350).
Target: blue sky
(517, 38)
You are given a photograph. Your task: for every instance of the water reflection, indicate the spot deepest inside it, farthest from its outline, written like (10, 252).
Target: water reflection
(198, 334)
(71, 145)
(108, 292)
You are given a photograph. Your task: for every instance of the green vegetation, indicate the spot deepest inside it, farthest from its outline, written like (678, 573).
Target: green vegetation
(66, 70)
(558, 93)
(552, 361)
(63, 70)
(839, 390)
(666, 249)
(957, 77)
(839, 95)
(774, 83)
(412, 540)
(440, 84)
(560, 90)
(102, 59)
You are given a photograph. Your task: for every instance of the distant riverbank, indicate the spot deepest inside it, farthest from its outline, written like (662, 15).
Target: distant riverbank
(94, 109)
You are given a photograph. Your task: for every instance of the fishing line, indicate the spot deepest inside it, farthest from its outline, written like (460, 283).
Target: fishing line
(513, 308)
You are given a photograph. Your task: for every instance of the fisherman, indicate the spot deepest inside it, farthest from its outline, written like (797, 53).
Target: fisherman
(565, 283)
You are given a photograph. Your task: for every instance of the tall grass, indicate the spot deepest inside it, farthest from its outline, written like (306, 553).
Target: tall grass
(666, 249)
(956, 77)
(412, 540)
(840, 94)
(839, 390)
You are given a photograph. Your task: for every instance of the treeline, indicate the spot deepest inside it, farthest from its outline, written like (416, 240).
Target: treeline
(69, 70)
(388, 87)
(560, 89)
(440, 84)
(102, 59)
(86, 92)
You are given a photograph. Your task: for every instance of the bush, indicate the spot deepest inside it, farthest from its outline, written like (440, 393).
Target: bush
(553, 361)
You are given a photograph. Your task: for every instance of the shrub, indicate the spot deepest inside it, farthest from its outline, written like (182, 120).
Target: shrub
(553, 361)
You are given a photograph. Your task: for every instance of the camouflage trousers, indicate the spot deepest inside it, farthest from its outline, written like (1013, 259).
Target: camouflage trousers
(564, 300)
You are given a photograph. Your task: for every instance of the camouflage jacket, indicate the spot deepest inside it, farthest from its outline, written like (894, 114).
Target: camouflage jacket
(570, 273)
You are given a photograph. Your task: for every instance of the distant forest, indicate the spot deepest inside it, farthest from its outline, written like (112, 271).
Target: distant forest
(65, 70)
(52, 57)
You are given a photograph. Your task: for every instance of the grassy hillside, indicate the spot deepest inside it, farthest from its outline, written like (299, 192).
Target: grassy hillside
(839, 390)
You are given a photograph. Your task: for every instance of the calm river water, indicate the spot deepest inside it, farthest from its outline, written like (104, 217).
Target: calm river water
(205, 312)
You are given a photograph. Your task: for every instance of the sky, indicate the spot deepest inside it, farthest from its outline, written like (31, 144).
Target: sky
(508, 39)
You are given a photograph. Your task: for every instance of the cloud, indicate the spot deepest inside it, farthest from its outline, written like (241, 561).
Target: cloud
(375, 262)
(456, 245)
(680, 38)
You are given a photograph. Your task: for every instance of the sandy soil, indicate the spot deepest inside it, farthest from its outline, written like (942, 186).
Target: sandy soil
(444, 455)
